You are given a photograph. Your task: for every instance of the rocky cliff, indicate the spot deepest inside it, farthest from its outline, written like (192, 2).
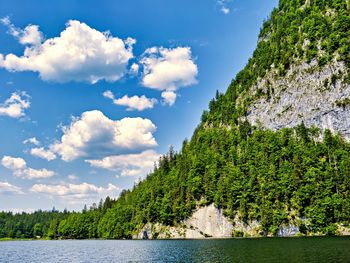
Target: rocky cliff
(317, 96)
(209, 222)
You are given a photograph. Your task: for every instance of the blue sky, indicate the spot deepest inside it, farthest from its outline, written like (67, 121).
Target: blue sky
(91, 92)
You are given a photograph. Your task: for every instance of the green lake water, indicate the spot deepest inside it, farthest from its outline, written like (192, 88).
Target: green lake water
(311, 249)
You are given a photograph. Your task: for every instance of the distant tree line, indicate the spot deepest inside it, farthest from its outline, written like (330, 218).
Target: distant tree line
(44, 224)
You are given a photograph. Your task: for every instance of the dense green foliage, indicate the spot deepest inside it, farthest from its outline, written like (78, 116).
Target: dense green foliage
(263, 175)
(256, 174)
(26, 225)
(45, 224)
(273, 177)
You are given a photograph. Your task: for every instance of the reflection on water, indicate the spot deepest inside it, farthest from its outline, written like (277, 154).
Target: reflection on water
(316, 249)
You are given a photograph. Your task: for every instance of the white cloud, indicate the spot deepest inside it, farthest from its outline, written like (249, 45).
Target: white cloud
(108, 94)
(43, 154)
(95, 135)
(13, 163)
(19, 168)
(32, 140)
(72, 177)
(15, 106)
(223, 6)
(80, 53)
(128, 164)
(6, 188)
(133, 103)
(74, 193)
(30, 35)
(169, 97)
(168, 69)
(134, 69)
(225, 10)
(31, 173)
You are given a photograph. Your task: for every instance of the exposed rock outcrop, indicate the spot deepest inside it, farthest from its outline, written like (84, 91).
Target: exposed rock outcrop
(343, 230)
(246, 229)
(288, 231)
(210, 222)
(307, 93)
(207, 221)
(159, 231)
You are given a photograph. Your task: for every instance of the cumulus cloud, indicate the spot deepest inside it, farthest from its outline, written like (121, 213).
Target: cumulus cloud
(15, 106)
(32, 140)
(132, 103)
(30, 35)
(43, 154)
(80, 53)
(13, 163)
(20, 169)
(167, 70)
(169, 97)
(128, 164)
(76, 192)
(95, 135)
(7, 188)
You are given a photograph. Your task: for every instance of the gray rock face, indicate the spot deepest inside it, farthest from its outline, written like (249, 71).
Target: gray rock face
(246, 229)
(210, 222)
(288, 231)
(144, 233)
(317, 97)
(207, 221)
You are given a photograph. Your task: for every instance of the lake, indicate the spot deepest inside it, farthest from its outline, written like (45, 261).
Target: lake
(311, 249)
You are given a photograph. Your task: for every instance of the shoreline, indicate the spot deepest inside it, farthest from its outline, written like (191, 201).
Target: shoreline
(5, 239)
(171, 239)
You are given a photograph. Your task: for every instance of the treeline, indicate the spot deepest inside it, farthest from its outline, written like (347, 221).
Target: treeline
(43, 224)
(28, 225)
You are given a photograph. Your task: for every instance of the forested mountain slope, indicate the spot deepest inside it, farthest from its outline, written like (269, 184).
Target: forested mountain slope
(273, 149)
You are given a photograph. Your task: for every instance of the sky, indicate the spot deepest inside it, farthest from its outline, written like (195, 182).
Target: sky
(93, 92)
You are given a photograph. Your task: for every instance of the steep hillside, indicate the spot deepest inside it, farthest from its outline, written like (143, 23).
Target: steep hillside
(298, 76)
(303, 48)
(269, 157)
(317, 96)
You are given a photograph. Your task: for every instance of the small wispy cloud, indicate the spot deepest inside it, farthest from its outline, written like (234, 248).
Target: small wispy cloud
(32, 140)
(223, 5)
(133, 103)
(20, 169)
(30, 35)
(7, 188)
(16, 105)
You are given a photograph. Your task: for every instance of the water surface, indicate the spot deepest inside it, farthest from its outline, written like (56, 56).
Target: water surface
(313, 249)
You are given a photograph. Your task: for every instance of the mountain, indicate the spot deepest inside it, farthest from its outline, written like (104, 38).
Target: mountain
(271, 156)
